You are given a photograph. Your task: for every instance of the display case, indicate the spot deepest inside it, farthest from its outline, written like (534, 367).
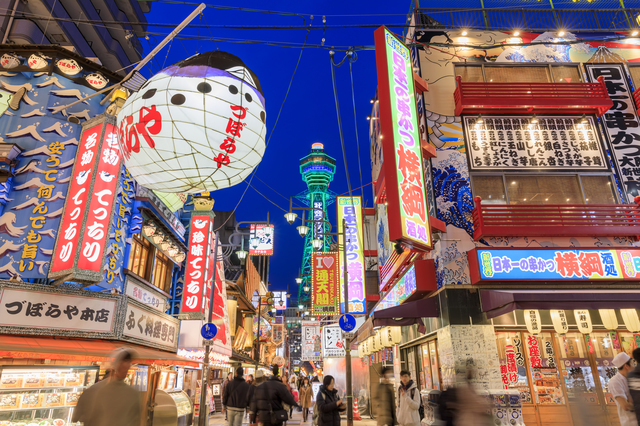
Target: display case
(172, 408)
(41, 394)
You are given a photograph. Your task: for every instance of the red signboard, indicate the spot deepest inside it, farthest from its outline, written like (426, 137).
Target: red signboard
(325, 298)
(197, 264)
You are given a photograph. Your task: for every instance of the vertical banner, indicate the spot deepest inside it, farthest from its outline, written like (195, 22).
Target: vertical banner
(220, 315)
(325, 268)
(621, 126)
(86, 223)
(264, 240)
(311, 344)
(401, 147)
(196, 270)
(350, 209)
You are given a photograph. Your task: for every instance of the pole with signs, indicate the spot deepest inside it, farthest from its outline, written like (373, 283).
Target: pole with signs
(207, 348)
(347, 341)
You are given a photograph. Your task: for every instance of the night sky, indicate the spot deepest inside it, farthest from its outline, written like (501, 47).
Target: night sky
(309, 114)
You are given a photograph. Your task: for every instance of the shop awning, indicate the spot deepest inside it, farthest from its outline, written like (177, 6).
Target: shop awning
(83, 350)
(407, 313)
(499, 302)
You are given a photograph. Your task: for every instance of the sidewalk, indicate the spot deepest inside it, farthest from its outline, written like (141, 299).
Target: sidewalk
(217, 419)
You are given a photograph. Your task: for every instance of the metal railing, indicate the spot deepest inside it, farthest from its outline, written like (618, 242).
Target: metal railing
(558, 220)
(594, 20)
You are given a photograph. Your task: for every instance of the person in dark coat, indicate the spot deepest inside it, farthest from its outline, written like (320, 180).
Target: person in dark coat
(329, 403)
(260, 379)
(385, 400)
(270, 397)
(234, 398)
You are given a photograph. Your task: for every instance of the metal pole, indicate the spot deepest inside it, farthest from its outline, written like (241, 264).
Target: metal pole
(347, 342)
(207, 348)
(258, 342)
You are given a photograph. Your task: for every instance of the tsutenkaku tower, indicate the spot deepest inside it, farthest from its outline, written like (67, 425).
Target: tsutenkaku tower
(317, 170)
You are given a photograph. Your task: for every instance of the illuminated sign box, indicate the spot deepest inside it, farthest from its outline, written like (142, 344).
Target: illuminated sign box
(554, 264)
(419, 280)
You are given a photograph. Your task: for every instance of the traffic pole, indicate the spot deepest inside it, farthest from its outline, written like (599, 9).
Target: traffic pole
(347, 341)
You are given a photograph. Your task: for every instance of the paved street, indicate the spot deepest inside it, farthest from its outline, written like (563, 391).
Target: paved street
(218, 420)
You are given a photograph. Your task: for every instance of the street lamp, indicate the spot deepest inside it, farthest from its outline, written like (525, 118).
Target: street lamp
(242, 254)
(300, 307)
(254, 242)
(291, 217)
(302, 230)
(305, 288)
(298, 280)
(317, 243)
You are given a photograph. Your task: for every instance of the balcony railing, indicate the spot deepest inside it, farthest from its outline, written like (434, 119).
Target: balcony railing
(532, 98)
(636, 96)
(566, 220)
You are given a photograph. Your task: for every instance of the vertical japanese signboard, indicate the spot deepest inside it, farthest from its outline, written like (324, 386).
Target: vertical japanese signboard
(264, 240)
(325, 299)
(220, 314)
(332, 342)
(407, 202)
(311, 344)
(196, 272)
(621, 126)
(350, 209)
(80, 246)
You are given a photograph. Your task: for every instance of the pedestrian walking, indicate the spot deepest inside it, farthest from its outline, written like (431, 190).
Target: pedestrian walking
(234, 398)
(305, 398)
(385, 404)
(111, 401)
(224, 386)
(268, 399)
(408, 401)
(472, 409)
(328, 404)
(633, 379)
(250, 378)
(258, 381)
(619, 390)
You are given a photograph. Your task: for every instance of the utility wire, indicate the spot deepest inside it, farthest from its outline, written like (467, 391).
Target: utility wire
(271, 188)
(354, 58)
(267, 198)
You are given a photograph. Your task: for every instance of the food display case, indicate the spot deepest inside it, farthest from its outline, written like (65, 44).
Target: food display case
(172, 408)
(42, 395)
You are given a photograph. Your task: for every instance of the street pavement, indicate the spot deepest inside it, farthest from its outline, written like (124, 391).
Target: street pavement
(217, 419)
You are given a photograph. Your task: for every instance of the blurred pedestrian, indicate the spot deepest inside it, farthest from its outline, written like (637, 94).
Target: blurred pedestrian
(408, 401)
(328, 403)
(305, 398)
(258, 381)
(250, 379)
(268, 399)
(385, 404)
(234, 398)
(472, 409)
(224, 386)
(619, 390)
(633, 378)
(111, 401)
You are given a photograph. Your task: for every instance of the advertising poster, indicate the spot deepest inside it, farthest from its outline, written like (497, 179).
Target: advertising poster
(332, 342)
(311, 344)
(263, 243)
(350, 209)
(325, 299)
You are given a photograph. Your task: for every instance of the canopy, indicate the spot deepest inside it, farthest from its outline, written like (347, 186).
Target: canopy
(407, 313)
(499, 302)
(83, 350)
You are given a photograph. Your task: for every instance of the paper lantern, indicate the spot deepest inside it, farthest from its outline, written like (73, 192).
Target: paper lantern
(532, 320)
(609, 319)
(630, 318)
(583, 319)
(391, 336)
(559, 319)
(196, 126)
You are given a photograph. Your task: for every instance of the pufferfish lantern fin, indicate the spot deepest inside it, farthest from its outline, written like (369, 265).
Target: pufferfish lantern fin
(243, 74)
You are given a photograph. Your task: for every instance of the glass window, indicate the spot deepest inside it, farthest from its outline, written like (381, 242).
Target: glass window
(544, 189)
(605, 347)
(161, 272)
(543, 368)
(629, 342)
(426, 367)
(506, 74)
(490, 189)
(435, 370)
(598, 189)
(512, 364)
(141, 250)
(576, 369)
(635, 76)
(565, 74)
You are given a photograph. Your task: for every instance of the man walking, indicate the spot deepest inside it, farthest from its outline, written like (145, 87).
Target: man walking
(268, 399)
(386, 407)
(235, 398)
(408, 401)
(620, 390)
(633, 379)
(224, 386)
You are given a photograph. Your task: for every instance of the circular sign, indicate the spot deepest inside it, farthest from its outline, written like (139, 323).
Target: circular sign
(347, 322)
(196, 126)
(279, 361)
(209, 331)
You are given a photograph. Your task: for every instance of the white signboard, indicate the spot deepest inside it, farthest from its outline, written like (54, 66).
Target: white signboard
(264, 240)
(154, 328)
(621, 125)
(514, 143)
(280, 300)
(46, 310)
(311, 344)
(332, 342)
(145, 295)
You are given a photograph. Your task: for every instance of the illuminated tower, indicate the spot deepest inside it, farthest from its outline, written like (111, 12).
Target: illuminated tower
(317, 171)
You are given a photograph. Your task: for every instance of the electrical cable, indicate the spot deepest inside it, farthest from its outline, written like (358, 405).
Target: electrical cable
(354, 58)
(267, 198)
(267, 185)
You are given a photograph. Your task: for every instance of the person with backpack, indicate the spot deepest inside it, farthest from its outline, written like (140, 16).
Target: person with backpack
(408, 401)
(328, 404)
(269, 398)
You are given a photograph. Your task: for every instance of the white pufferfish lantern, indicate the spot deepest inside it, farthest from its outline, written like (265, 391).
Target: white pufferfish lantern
(198, 125)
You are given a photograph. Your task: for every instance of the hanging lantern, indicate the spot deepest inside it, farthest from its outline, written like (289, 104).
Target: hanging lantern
(232, 308)
(386, 341)
(172, 250)
(180, 257)
(583, 319)
(396, 335)
(158, 237)
(68, 66)
(37, 61)
(196, 126)
(630, 319)
(165, 244)
(559, 319)
(149, 228)
(97, 80)
(9, 61)
(532, 320)
(609, 318)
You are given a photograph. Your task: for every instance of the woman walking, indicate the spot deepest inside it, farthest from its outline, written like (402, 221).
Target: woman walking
(329, 403)
(305, 398)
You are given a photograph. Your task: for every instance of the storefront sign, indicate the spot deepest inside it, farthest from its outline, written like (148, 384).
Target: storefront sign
(509, 370)
(311, 341)
(325, 268)
(535, 357)
(150, 327)
(407, 203)
(278, 334)
(41, 311)
(400, 292)
(559, 319)
(548, 351)
(197, 270)
(350, 209)
(583, 320)
(86, 224)
(532, 320)
(332, 342)
(264, 240)
(621, 126)
(554, 264)
(512, 144)
(280, 300)
(143, 294)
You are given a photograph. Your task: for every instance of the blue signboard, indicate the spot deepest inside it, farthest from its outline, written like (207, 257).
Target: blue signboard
(209, 331)
(347, 322)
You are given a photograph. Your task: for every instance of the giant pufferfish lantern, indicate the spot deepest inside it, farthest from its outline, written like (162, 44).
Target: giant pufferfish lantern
(198, 125)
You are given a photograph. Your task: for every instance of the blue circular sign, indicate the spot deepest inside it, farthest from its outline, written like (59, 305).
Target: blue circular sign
(347, 322)
(209, 331)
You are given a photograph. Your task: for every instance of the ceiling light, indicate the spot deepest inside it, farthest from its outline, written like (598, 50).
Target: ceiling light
(516, 33)
(584, 120)
(479, 120)
(534, 119)
(464, 32)
(561, 33)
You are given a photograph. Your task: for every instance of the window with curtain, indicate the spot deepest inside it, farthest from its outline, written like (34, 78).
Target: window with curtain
(141, 258)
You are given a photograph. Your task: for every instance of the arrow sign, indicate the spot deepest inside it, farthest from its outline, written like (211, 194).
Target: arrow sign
(209, 331)
(347, 322)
